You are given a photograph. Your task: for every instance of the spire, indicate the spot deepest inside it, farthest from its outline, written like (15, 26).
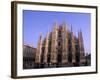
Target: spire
(81, 45)
(55, 25)
(71, 29)
(46, 48)
(80, 35)
(71, 32)
(64, 44)
(54, 44)
(63, 26)
(73, 49)
(39, 50)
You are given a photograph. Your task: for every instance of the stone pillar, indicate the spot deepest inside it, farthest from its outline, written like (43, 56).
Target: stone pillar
(64, 44)
(39, 51)
(54, 44)
(81, 46)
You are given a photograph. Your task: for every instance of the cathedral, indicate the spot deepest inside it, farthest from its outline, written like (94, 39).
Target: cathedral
(60, 48)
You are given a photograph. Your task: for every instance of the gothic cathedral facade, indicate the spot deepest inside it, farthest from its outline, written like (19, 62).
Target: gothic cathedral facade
(60, 47)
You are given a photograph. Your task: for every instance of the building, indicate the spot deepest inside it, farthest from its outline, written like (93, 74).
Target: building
(60, 48)
(28, 57)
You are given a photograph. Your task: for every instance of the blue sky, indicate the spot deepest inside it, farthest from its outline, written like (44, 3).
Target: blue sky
(36, 22)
